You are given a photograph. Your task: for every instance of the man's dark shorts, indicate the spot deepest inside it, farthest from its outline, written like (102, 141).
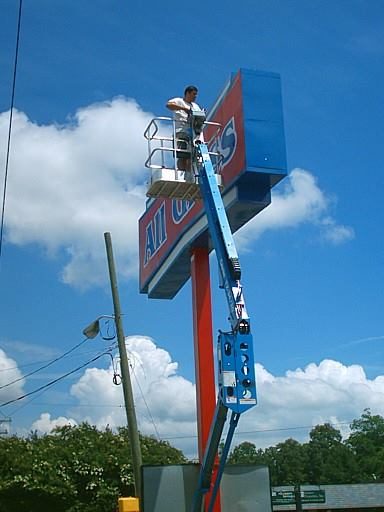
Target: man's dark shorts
(183, 141)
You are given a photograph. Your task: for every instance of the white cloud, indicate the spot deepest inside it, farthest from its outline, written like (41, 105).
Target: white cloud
(68, 184)
(327, 392)
(9, 372)
(336, 233)
(304, 397)
(165, 401)
(45, 424)
(300, 201)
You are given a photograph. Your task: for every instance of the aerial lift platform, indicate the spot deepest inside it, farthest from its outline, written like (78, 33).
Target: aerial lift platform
(236, 374)
(166, 180)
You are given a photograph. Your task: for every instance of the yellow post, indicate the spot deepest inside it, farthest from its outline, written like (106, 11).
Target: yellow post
(129, 505)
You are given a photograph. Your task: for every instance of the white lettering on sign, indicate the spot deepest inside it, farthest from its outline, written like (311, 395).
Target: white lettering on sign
(227, 143)
(180, 208)
(155, 234)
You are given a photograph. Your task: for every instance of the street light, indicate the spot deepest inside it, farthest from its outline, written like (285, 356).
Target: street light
(93, 329)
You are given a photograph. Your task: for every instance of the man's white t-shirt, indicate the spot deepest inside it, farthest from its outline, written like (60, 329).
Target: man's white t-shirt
(180, 116)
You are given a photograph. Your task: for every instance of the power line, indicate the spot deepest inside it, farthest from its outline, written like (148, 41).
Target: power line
(146, 404)
(45, 366)
(18, 367)
(12, 413)
(282, 429)
(25, 404)
(70, 405)
(52, 382)
(10, 126)
(168, 438)
(261, 431)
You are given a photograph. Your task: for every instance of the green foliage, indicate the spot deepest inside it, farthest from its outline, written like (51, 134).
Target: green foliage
(329, 459)
(74, 469)
(244, 453)
(290, 457)
(326, 458)
(83, 469)
(367, 443)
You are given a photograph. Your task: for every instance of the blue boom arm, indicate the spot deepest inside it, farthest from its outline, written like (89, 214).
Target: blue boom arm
(237, 387)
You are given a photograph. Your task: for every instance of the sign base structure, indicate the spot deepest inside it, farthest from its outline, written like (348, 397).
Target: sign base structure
(244, 488)
(252, 146)
(203, 343)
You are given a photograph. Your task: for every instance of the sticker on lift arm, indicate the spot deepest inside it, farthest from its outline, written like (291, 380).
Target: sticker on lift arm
(229, 379)
(247, 401)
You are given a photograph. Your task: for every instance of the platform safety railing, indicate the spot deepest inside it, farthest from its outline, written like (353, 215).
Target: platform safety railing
(162, 140)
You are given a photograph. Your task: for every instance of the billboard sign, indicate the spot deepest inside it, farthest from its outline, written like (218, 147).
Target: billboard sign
(249, 110)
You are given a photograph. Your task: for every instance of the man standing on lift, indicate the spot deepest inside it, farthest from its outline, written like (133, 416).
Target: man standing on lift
(181, 108)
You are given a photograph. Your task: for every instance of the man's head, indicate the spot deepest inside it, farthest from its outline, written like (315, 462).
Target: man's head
(190, 93)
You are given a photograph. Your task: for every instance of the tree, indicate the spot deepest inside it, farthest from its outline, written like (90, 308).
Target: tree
(289, 463)
(74, 469)
(326, 458)
(367, 442)
(286, 461)
(29, 480)
(244, 453)
(329, 460)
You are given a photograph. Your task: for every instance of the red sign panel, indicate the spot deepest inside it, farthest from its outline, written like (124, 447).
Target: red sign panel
(159, 229)
(166, 219)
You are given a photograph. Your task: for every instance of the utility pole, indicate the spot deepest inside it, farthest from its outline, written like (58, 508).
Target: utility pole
(125, 374)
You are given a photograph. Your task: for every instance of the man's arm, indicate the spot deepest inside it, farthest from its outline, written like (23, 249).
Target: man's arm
(171, 105)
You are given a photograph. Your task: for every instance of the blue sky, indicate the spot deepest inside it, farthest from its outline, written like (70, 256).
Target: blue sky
(90, 76)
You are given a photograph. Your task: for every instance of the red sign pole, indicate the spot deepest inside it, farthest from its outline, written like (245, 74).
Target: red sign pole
(203, 346)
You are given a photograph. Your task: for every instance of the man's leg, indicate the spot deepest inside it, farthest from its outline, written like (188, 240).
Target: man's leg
(183, 156)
